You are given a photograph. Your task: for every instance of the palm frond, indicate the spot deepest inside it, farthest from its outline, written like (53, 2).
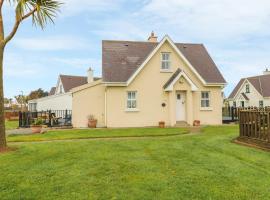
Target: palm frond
(45, 10)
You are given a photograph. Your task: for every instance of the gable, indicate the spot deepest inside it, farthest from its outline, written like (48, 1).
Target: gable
(179, 75)
(259, 83)
(122, 60)
(241, 93)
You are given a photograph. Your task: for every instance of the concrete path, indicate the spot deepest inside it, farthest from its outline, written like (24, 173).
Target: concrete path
(21, 131)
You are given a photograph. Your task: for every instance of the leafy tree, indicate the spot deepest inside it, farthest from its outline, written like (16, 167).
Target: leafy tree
(42, 12)
(36, 94)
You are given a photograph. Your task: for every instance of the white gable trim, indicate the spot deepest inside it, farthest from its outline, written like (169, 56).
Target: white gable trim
(166, 38)
(182, 73)
(240, 88)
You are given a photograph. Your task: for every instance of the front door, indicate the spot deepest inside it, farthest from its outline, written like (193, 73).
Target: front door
(180, 106)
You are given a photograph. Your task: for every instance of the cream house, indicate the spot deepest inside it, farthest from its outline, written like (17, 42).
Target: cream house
(147, 82)
(252, 91)
(60, 97)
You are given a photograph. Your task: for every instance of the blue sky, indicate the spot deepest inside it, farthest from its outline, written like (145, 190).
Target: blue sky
(236, 34)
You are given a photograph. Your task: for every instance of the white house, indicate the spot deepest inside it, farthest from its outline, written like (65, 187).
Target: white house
(252, 91)
(60, 97)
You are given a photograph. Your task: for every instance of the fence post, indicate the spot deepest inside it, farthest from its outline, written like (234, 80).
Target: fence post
(20, 119)
(232, 113)
(50, 118)
(66, 116)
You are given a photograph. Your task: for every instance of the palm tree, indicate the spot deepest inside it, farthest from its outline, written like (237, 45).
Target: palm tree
(42, 12)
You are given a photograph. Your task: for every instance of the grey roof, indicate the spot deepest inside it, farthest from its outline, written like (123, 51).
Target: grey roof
(52, 91)
(70, 82)
(120, 60)
(175, 74)
(260, 83)
(245, 96)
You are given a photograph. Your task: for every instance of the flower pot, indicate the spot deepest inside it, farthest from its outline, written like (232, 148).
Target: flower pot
(36, 129)
(196, 123)
(161, 124)
(92, 123)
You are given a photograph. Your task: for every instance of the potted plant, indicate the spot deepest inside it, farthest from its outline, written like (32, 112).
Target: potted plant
(161, 124)
(92, 121)
(37, 125)
(196, 123)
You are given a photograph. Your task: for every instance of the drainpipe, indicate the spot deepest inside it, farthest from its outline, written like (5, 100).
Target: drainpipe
(105, 107)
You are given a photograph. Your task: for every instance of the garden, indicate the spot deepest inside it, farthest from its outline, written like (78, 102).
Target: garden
(134, 164)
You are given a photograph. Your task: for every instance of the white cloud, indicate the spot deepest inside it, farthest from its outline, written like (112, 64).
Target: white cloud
(16, 67)
(51, 43)
(209, 18)
(73, 7)
(81, 63)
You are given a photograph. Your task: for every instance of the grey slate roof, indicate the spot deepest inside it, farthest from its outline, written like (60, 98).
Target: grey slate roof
(52, 91)
(261, 84)
(120, 59)
(70, 82)
(175, 74)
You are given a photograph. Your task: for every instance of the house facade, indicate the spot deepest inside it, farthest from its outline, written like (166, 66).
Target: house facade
(60, 96)
(147, 82)
(252, 92)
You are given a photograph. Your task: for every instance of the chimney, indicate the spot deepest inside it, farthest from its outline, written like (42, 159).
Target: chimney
(90, 75)
(152, 37)
(266, 72)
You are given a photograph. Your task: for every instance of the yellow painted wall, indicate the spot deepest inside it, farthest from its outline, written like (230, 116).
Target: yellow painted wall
(89, 101)
(150, 95)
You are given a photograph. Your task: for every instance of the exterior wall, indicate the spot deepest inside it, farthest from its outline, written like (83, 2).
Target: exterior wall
(150, 96)
(254, 97)
(55, 102)
(89, 101)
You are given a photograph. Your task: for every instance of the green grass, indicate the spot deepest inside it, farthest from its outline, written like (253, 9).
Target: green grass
(206, 166)
(11, 125)
(96, 133)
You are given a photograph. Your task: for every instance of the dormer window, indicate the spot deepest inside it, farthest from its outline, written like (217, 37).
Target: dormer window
(247, 88)
(165, 61)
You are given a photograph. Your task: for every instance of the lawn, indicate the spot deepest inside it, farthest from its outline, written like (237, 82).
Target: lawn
(96, 133)
(204, 166)
(11, 125)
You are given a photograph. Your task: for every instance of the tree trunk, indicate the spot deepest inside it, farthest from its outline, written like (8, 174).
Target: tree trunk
(3, 142)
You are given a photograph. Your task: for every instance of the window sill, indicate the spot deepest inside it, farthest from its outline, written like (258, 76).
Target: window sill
(166, 71)
(132, 110)
(206, 109)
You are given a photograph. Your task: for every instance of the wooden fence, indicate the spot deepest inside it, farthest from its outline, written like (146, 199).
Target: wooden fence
(12, 115)
(255, 124)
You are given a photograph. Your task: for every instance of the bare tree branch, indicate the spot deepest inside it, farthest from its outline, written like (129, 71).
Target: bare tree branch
(17, 24)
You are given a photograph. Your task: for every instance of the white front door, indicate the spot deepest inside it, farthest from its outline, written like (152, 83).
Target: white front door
(180, 106)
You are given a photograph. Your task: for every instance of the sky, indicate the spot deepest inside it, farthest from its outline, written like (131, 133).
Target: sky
(235, 32)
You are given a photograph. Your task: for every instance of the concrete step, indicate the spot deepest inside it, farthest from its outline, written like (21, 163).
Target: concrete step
(181, 124)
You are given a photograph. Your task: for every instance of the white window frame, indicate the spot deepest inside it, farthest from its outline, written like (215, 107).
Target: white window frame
(205, 99)
(166, 62)
(261, 104)
(132, 101)
(247, 88)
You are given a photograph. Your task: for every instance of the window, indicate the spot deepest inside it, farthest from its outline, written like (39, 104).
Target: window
(242, 104)
(261, 104)
(205, 99)
(165, 61)
(247, 88)
(234, 104)
(131, 100)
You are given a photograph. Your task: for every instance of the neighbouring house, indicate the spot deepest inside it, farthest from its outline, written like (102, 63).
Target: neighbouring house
(60, 96)
(144, 83)
(252, 91)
